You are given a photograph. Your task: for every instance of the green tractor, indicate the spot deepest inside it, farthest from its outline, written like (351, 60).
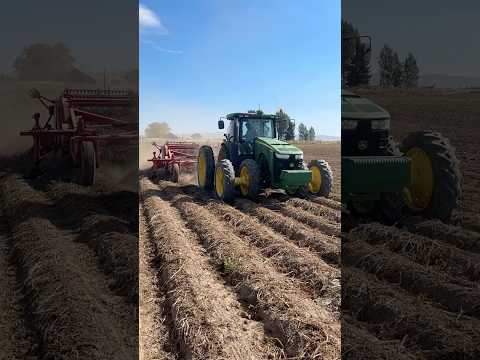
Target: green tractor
(380, 178)
(252, 158)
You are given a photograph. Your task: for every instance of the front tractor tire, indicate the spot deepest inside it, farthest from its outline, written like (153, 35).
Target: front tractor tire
(322, 178)
(88, 164)
(249, 179)
(205, 168)
(435, 176)
(225, 180)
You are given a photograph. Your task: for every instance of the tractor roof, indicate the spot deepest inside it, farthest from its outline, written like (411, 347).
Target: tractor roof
(360, 108)
(250, 115)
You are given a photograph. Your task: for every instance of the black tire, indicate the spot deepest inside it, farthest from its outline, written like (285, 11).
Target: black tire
(175, 173)
(207, 152)
(446, 192)
(327, 177)
(88, 165)
(228, 184)
(254, 178)
(223, 153)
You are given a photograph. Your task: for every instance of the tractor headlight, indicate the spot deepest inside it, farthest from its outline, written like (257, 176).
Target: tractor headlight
(282, 156)
(381, 124)
(299, 157)
(349, 124)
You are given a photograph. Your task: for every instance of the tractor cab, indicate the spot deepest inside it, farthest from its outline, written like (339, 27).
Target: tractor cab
(243, 130)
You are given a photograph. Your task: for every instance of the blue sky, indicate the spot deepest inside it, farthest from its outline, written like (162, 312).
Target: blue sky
(200, 59)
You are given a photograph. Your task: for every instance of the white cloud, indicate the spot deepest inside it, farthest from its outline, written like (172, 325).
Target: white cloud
(157, 47)
(150, 21)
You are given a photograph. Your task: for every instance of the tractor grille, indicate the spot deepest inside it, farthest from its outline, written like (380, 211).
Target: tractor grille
(284, 164)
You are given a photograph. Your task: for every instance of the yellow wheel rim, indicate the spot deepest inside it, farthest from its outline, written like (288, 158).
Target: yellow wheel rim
(316, 183)
(202, 170)
(421, 188)
(244, 181)
(219, 182)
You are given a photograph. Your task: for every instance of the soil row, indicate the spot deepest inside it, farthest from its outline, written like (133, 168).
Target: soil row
(303, 327)
(328, 247)
(423, 250)
(208, 320)
(415, 278)
(63, 290)
(393, 314)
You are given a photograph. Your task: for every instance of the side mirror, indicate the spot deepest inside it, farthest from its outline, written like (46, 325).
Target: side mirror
(221, 124)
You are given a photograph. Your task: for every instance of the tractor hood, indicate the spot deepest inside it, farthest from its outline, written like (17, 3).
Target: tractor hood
(279, 146)
(355, 107)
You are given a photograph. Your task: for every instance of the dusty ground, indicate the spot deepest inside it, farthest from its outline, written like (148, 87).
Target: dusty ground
(411, 291)
(241, 281)
(68, 254)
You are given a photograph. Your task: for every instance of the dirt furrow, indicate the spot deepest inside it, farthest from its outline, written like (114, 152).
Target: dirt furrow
(154, 332)
(305, 329)
(316, 208)
(112, 239)
(382, 305)
(322, 278)
(360, 344)
(422, 250)
(210, 323)
(471, 221)
(333, 204)
(66, 294)
(16, 339)
(305, 217)
(413, 277)
(464, 239)
(328, 247)
(116, 249)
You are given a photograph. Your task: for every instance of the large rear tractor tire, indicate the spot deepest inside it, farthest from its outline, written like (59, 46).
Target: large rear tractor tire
(205, 168)
(249, 179)
(88, 164)
(223, 153)
(225, 180)
(322, 178)
(435, 188)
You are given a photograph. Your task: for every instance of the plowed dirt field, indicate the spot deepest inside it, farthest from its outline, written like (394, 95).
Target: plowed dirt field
(241, 281)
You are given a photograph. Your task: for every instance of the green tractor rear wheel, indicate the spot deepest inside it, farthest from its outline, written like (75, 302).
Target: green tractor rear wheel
(225, 180)
(435, 176)
(205, 168)
(322, 178)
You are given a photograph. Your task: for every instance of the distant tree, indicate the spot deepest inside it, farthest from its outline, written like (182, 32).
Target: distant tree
(386, 65)
(302, 132)
(311, 134)
(44, 62)
(196, 136)
(282, 123)
(158, 130)
(397, 71)
(290, 132)
(358, 70)
(348, 46)
(259, 112)
(410, 71)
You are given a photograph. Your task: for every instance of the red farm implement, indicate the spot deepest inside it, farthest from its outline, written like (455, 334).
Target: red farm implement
(80, 122)
(172, 159)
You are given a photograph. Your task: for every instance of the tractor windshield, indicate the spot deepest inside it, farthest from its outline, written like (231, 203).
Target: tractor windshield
(253, 128)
